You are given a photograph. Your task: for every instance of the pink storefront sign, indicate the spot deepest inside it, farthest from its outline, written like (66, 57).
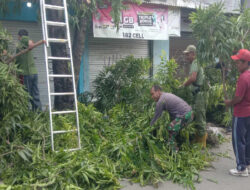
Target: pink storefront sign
(145, 22)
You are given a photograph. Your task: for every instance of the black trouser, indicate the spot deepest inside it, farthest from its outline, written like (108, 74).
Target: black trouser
(241, 141)
(31, 84)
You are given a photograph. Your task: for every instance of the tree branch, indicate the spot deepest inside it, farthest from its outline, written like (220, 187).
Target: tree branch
(25, 51)
(224, 80)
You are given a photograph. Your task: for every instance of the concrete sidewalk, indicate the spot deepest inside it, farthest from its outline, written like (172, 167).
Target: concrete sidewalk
(214, 178)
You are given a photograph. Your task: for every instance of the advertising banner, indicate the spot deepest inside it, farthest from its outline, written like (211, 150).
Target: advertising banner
(174, 21)
(145, 22)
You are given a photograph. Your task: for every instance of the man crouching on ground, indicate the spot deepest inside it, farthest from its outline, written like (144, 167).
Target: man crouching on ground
(180, 112)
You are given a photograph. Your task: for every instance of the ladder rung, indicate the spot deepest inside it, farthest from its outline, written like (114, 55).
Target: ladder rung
(69, 150)
(73, 149)
(51, 23)
(63, 112)
(47, 6)
(57, 40)
(62, 93)
(64, 131)
(60, 76)
(59, 58)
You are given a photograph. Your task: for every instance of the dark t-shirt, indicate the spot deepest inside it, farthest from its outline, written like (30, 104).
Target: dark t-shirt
(242, 109)
(176, 106)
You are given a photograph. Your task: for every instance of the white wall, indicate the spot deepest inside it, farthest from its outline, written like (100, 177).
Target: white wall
(230, 5)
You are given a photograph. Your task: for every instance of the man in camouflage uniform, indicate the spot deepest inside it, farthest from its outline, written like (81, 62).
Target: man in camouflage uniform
(196, 82)
(180, 112)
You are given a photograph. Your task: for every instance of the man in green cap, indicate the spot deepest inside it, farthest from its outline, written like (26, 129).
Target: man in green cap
(28, 69)
(196, 82)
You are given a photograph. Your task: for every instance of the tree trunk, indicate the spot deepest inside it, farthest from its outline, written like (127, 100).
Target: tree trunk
(224, 80)
(60, 67)
(78, 46)
(59, 50)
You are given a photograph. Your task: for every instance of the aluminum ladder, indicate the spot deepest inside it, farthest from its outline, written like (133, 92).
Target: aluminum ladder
(67, 41)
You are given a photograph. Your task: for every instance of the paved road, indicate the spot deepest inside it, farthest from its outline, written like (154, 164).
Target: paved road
(215, 178)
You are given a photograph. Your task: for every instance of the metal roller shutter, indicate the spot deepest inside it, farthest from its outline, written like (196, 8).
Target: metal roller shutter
(104, 51)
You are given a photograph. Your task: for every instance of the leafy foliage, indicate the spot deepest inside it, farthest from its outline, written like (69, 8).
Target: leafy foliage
(219, 36)
(117, 144)
(12, 108)
(166, 74)
(80, 10)
(4, 6)
(117, 7)
(215, 104)
(125, 82)
(119, 147)
(4, 40)
(83, 9)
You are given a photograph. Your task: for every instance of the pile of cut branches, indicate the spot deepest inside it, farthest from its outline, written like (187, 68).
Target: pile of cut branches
(116, 144)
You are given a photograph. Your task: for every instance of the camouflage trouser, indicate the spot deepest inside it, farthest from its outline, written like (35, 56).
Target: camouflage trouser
(175, 126)
(200, 113)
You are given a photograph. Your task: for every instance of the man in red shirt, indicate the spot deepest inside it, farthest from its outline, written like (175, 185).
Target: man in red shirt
(241, 119)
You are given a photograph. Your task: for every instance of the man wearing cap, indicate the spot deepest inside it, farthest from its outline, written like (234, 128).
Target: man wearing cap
(196, 81)
(241, 115)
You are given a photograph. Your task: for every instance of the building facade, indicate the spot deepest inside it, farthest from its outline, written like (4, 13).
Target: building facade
(100, 52)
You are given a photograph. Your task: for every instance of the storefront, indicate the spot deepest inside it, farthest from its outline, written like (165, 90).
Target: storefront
(144, 33)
